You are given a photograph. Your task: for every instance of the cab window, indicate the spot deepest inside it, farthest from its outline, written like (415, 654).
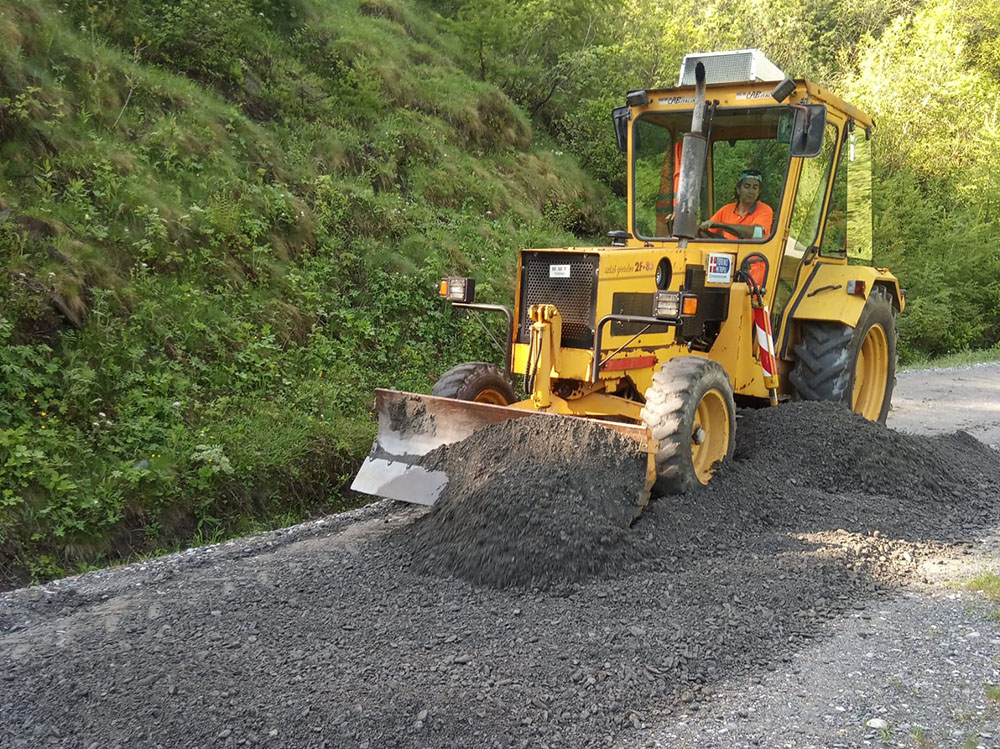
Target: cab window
(741, 140)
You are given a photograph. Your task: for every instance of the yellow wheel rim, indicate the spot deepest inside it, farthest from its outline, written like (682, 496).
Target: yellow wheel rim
(871, 374)
(710, 434)
(489, 395)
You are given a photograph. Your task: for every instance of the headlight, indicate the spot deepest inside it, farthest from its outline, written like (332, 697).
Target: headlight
(666, 304)
(673, 304)
(458, 289)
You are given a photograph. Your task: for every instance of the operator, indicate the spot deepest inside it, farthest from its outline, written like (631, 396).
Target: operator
(747, 218)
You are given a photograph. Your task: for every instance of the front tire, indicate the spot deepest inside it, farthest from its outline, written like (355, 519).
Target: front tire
(690, 411)
(854, 366)
(475, 381)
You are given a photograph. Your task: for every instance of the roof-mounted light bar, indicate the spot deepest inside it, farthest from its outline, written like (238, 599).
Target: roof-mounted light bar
(737, 66)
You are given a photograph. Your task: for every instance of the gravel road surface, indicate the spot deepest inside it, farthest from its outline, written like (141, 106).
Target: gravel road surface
(809, 597)
(938, 401)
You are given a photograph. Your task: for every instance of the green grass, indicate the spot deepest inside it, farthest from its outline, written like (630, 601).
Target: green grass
(963, 358)
(221, 227)
(921, 738)
(988, 584)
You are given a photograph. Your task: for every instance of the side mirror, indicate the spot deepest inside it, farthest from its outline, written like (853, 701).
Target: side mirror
(619, 238)
(621, 116)
(807, 131)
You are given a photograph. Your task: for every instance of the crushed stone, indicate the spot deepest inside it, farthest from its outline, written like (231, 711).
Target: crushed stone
(531, 502)
(334, 636)
(819, 467)
(541, 502)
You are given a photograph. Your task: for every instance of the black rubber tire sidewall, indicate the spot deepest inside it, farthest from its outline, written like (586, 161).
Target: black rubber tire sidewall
(465, 382)
(821, 373)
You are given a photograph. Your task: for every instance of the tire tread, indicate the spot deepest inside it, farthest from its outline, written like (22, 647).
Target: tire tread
(668, 414)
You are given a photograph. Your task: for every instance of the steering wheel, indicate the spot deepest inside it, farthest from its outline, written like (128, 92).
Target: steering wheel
(709, 233)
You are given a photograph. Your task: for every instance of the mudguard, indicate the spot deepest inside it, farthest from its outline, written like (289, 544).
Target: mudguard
(823, 296)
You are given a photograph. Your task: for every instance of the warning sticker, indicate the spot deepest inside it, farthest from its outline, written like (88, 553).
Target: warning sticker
(558, 271)
(720, 268)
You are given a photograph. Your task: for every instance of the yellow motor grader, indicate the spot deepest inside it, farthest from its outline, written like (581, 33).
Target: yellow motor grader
(662, 333)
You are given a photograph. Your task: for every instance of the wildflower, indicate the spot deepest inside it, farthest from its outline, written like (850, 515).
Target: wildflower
(101, 415)
(43, 413)
(176, 404)
(43, 426)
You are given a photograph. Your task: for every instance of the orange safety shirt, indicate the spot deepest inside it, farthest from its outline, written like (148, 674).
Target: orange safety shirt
(760, 215)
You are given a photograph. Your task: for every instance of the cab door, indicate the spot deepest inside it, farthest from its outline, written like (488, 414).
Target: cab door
(810, 217)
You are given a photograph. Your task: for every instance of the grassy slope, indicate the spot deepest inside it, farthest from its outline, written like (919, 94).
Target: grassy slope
(220, 225)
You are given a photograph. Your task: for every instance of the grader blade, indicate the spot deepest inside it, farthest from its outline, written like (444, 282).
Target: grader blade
(411, 425)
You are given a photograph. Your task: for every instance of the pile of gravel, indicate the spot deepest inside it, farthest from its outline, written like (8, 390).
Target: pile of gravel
(826, 447)
(542, 502)
(819, 467)
(815, 472)
(531, 502)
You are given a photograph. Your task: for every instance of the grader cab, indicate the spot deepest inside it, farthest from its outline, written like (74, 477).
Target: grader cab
(720, 291)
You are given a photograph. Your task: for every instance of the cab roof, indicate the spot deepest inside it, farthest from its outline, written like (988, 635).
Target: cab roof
(752, 93)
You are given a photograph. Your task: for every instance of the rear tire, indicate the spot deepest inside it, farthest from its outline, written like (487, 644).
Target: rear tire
(690, 411)
(854, 366)
(475, 381)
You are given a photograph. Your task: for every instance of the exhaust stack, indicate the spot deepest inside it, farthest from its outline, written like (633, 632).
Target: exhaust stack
(692, 165)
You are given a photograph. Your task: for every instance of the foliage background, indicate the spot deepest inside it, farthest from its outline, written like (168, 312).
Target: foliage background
(221, 221)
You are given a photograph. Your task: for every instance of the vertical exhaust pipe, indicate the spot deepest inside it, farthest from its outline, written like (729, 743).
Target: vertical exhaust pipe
(693, 156)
